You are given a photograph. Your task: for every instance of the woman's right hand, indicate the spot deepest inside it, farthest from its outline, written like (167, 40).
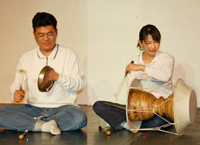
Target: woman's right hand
(134, 67)
(19, 95)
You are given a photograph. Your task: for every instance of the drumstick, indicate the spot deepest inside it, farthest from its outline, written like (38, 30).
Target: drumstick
(120, 88)
(105, 130)
(23, 72)
(24, 81)
(23, 135)
(121, 85)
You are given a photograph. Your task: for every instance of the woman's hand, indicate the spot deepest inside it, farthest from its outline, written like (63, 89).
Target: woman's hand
(134, 67)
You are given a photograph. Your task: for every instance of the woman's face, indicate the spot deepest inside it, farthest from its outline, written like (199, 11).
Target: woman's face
(150, 46)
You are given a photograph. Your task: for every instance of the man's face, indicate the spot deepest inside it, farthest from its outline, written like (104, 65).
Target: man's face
(45, 37)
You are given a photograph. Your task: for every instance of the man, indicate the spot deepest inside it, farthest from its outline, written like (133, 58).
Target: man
(52, 111)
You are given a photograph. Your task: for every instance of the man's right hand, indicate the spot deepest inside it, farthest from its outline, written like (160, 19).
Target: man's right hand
(19, 95)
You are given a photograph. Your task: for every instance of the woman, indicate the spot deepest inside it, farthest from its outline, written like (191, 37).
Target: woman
(150, 64)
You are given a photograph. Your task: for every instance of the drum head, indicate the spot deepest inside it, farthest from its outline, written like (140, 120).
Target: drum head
(49, 85)
(185, 106)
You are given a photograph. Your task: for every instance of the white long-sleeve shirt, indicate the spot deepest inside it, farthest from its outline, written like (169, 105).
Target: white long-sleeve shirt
(161, 68)
(64, 91)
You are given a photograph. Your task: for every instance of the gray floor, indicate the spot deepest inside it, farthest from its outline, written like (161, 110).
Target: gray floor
(90, 135)
(124, 137)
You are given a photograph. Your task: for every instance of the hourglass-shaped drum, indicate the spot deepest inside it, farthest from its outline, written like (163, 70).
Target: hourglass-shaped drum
(180, 106)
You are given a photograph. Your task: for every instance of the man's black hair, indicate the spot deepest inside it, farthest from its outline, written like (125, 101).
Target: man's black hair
(42, 19)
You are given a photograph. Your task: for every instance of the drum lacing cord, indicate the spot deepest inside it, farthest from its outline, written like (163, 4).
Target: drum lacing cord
(151, 89)
(168, 99)
(152, 110)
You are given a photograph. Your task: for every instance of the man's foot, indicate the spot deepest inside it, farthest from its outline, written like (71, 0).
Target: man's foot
(51, 127)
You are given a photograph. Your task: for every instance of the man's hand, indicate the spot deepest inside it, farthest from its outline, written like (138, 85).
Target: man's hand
(50, 75)
(19, 95)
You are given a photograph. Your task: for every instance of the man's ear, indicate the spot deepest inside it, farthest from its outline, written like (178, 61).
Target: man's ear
(56, 31)
(34, 34)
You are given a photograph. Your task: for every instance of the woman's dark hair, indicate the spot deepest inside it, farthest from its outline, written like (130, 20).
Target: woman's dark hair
(43, 19)
(149, 30)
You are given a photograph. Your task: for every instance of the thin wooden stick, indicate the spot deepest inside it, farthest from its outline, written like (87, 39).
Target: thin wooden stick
(23, 135)
(24, 81)
(105, 130)
(23, 72)
(120, 88)
(117, 93)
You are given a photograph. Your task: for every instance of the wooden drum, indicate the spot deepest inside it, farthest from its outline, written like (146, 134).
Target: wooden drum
(180, 106)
